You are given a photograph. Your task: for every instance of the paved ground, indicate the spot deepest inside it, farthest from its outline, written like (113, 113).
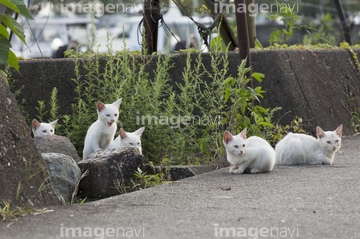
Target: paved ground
(291, 202)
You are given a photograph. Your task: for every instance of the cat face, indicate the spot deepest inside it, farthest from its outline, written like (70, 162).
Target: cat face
(40, 129)
(329, 140)
(235, 144)
(132, 139)
(108, 113)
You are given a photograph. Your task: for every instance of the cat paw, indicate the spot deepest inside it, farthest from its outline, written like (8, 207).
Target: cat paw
(232, 169)
(239, 171)
(255, 170)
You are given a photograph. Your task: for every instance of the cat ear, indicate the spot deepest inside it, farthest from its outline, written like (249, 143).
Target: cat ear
(319, 132)
(139, 131)
(53, 124)
(35, 124)
(338, 130)
(227, 137)
(123, 135)
(100, 106)
(243, 133)
(117, 103)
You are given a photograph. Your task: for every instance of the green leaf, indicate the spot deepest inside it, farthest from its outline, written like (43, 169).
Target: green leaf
(4, 50)
(267, 124)
(10, 5)
(247, 69)
(258, 44)
(258, 76)
(10, 22)
(4, 32)
(227, 80)
(13, 60)
(242, 65)
(243, 108)
(227, 93)
(5, 76)
(22, 8)
(254, 94)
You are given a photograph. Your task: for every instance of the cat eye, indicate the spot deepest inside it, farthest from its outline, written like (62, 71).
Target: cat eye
(131, 144)
(243, 145)
(115, 114)
(336, 141)
(108, 115)
(328, 142)
(51, 130)
(236, 146)
(44, 131)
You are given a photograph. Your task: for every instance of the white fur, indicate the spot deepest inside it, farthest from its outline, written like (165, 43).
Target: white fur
(252, 155)
(101, 132)
(126, 139)
(40, 129)
(296, 149)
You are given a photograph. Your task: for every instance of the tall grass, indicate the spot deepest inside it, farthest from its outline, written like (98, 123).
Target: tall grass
(191, 114)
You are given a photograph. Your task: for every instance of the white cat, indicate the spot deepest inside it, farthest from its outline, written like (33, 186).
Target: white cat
(304, 149)
(40, 129)
(128, 139)
(252, 155)
(101, 132)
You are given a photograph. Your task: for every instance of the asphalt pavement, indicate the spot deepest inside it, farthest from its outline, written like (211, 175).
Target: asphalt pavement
(290, 202)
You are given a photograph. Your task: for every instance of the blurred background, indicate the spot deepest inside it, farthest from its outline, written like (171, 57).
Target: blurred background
(60, 25)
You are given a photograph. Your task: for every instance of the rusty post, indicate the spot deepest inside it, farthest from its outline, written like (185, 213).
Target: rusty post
(243, 35)
(151, 15)
(344, 25)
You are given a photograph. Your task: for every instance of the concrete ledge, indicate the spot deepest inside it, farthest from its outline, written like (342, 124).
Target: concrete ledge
(308, 84)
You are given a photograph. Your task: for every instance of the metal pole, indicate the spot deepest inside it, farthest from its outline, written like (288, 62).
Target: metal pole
(251, 23)
(243, 35)
(151, 15)
(345, 27)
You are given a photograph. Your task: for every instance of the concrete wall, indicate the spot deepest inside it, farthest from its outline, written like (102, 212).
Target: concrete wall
(308, 84)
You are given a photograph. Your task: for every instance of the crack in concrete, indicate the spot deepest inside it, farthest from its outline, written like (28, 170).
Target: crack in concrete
(301, 89)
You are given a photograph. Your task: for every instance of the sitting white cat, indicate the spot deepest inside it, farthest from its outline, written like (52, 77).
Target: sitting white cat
(128, 139)
(40, 129)
(296, 149)
(101, 133)
(252, 155)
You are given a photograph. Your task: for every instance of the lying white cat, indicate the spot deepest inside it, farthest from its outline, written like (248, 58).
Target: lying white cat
(304, 149)
(128, 139)
(252, 155)
(101, 132)
(40, 129)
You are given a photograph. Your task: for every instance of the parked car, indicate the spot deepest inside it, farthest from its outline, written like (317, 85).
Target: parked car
(51, 37)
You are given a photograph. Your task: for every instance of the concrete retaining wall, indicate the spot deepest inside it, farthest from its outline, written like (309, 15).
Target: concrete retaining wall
(308, 84)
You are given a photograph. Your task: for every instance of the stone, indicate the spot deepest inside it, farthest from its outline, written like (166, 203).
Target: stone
(20, 163)
(109, 168)
(56, 144)
(64, 174)
(185, 171)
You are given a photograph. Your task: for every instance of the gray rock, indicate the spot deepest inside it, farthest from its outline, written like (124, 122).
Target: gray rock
(178, 172)
(56, 144)
(64, 174)
(19, 158)
(185, 171)
(109, 167)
